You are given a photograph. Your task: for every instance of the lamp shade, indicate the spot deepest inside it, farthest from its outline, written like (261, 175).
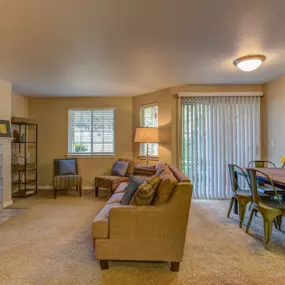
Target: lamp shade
(146, 135)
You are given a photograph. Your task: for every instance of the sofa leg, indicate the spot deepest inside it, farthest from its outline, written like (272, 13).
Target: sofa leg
(104, 264)
(80, 190)
(174, 266)
(96, 191)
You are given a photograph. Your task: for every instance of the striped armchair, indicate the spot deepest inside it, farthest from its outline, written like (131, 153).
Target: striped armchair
(111, 182)
(66, 175)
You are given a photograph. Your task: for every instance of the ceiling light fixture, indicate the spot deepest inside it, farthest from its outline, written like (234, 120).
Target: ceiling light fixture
(249, 62)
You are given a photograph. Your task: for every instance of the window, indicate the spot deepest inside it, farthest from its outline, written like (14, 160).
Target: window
(217, 131)
(149, 118)
(91, 131)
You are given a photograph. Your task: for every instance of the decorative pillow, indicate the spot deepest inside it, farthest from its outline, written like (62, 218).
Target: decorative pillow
(165, 188)
(131, 189)
(146, 191)
(142, 170)
(120, 168)
(67, 167)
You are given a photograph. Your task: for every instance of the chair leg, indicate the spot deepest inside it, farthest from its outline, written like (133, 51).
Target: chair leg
(104, 264)
(251, 203)
(279, 222)
(242, 208)
(80, 190)
(267, 232)
(249, 220)
(231, 206)
(174, 266)
(96, 191)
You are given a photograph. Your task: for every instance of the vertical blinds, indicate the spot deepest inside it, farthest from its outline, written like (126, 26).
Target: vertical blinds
(149, 118)
(92, 131)
(217, 131)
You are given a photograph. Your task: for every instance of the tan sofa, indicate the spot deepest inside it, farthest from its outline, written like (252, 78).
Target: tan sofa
(143, 233)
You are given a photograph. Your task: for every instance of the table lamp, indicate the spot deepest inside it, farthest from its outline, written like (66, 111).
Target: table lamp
(146, 135)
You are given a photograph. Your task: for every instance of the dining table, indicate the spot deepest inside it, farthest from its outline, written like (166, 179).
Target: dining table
(277, 175)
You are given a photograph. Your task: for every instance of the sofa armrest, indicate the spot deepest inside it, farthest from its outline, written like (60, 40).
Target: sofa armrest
(143, 222)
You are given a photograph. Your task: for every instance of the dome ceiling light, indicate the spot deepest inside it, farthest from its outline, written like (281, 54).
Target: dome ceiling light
(249, 62)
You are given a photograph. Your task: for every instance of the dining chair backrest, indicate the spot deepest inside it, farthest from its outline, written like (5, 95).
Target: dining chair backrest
(254, 177)
(235, 172)
(261, 164)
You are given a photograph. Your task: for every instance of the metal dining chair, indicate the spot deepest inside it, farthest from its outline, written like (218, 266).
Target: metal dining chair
(261, 164)
(241, 196)
(271, 210)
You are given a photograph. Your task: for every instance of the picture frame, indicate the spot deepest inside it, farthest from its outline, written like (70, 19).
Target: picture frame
(5, 128)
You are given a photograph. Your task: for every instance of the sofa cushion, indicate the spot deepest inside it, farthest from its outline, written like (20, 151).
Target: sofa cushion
(134, 183)
(120, 168)
(178, 174)
(160, 168)
(100, 226)
(142, 170)
(122, 187)
(165, 188)
(146, 191)
(116, 198)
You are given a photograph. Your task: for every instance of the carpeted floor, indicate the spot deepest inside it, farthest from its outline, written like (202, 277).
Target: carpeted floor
(49, 243)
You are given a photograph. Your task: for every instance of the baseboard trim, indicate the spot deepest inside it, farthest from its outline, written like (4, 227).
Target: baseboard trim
(44, 187)
(7, 203)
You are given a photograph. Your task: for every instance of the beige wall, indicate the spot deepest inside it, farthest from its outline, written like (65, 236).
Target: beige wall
(52, 118)
(164, 100)
(5, 96)
(19, 106)
(273, 119)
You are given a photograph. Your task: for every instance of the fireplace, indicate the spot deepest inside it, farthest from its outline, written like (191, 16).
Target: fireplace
(5, 172)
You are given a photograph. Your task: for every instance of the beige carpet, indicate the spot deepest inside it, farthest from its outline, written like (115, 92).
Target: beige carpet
(49, 242)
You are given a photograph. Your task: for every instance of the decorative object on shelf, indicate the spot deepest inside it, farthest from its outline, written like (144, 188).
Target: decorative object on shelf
(4, 128)
(283, 161)
(147, 135)
(16, 136)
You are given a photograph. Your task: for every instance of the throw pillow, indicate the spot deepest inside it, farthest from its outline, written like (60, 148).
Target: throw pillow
(160, 168)
(67, 167)
(131, 189)
(120, 168)
(165, 188)
(145, 193)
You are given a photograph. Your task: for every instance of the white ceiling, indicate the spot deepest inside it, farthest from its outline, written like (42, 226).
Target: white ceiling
(129, 47)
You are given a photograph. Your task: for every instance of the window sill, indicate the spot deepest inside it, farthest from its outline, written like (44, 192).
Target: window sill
(90, 155)
(150, 158)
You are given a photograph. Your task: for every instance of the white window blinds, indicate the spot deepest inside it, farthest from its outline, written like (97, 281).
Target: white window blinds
(149, 118)
(217, 131)
(91, 131)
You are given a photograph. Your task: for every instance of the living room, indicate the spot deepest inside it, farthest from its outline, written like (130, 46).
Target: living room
(157, 158)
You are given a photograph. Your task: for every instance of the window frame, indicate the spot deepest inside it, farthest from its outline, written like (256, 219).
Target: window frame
(142, 152)
(91, 154)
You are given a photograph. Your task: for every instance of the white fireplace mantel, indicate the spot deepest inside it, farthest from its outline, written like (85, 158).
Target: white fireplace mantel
(6, 195)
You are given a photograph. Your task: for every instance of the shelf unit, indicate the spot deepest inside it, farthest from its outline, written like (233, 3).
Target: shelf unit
(24, 158)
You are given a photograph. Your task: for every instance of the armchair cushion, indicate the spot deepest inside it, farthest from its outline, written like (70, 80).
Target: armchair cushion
(135, 182)
(67, 181)
(110, 182)
(142, 170)
(120, 168)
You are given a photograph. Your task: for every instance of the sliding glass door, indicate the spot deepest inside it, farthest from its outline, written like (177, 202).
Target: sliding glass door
(217, 131)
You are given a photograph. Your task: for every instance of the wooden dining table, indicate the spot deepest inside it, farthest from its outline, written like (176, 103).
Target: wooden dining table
(277, 176)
